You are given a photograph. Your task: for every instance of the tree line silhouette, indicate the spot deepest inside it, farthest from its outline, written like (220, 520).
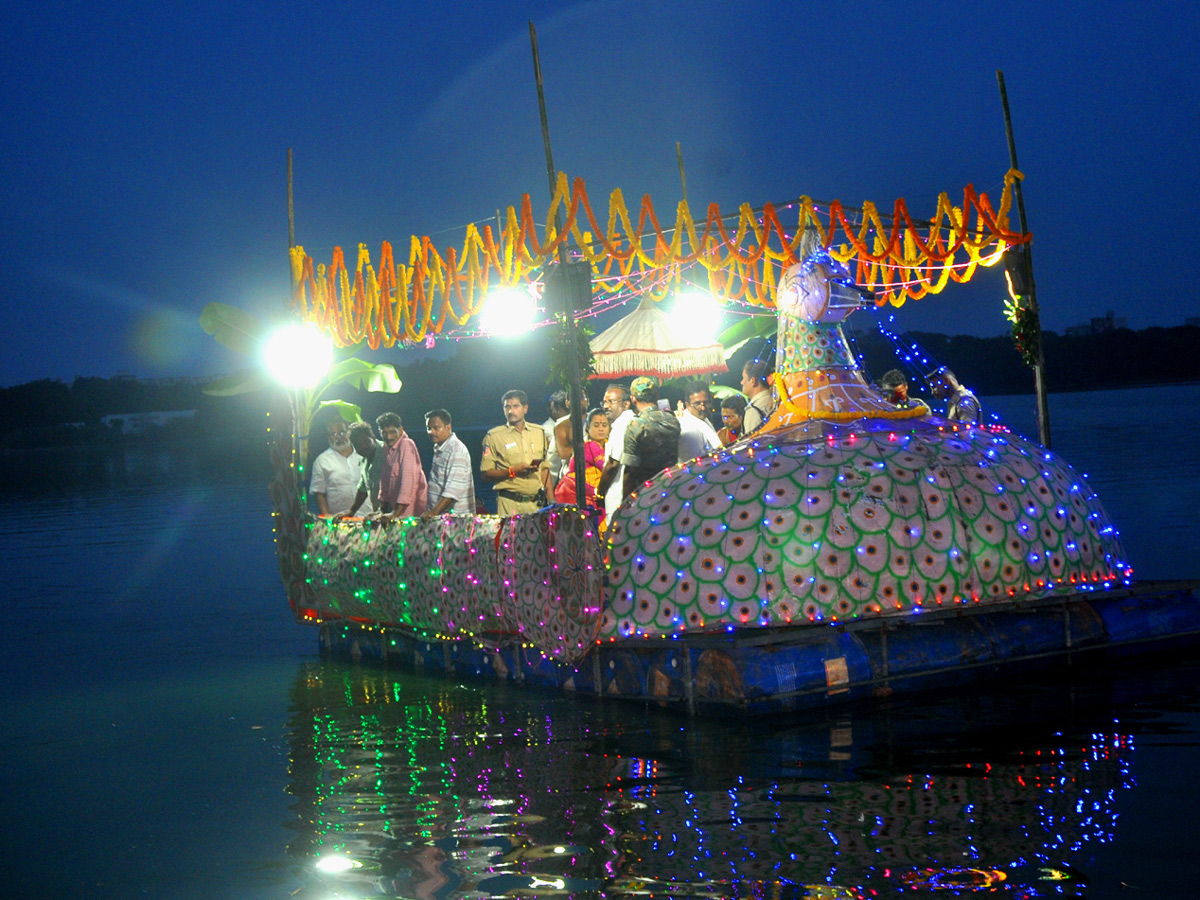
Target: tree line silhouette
(469, 384)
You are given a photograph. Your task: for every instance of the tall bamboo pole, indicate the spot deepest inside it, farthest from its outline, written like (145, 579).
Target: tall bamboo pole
(568, 329)
(682, 177)
(1026, 257)
(291, 209)
(299, 440)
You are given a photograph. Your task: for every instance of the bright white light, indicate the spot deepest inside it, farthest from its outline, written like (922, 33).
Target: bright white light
(696, 317)
(508, 312)
(297, 355)
(332, 865)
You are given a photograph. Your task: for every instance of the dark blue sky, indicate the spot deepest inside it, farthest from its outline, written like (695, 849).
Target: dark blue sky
(144, 143)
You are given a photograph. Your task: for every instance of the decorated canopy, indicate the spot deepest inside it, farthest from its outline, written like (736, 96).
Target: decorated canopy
(646, 343)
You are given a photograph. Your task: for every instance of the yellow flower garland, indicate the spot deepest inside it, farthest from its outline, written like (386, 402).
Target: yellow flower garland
(407, 302)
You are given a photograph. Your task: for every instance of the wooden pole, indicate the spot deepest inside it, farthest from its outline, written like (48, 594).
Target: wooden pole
(569, 329)
(1026, 257)
(682, 177)
(291, 208)
(299, 439)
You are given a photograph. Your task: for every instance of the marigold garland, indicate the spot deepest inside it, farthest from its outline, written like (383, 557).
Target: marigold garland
(407, 302)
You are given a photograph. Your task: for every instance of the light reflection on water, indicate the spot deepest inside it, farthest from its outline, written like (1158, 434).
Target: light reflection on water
(158, 701)
(444, 791)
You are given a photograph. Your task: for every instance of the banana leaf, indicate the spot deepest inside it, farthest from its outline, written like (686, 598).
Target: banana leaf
(738, 335)
(235, 328)
(379, 378)
(350, 412)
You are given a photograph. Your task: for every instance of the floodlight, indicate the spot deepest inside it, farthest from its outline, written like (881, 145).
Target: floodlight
(297, 355)
(697, 317)
(508, 312)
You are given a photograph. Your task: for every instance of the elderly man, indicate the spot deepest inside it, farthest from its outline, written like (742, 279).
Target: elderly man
(616, 407)
(402, 484)
(760, 402)
(451, 488)
(961, 404)
(697, 437)
(336, 471)
(514, 459)
(652, 438)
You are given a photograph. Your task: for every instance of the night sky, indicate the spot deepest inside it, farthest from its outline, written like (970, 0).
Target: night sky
(144, 143)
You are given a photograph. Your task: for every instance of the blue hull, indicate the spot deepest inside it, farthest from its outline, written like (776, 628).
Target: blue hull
(761, 671)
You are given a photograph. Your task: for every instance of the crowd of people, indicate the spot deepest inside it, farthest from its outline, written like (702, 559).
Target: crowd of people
(632, 436)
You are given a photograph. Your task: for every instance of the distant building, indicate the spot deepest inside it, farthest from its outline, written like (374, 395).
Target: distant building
(139, 423)
(1108, 323)
(1099, 325)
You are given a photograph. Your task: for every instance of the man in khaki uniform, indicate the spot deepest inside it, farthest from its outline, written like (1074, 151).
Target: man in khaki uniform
(514, 459)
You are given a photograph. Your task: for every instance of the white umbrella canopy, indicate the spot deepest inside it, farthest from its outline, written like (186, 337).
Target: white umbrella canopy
(646, 343)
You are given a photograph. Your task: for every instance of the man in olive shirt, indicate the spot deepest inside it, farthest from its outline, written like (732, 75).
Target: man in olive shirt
(652, 438)
(514, 459)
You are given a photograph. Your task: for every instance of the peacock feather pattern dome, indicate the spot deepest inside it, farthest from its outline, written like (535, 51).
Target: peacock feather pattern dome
(829, 522)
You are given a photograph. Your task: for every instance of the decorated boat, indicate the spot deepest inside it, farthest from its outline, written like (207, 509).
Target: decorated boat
(846, 549)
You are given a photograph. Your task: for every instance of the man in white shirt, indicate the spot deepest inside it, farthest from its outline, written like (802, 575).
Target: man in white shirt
(697, 437)
(616, 407)
(335, 473)
(560, 411)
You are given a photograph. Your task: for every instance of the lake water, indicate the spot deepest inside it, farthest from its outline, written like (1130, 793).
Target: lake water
(170, 733)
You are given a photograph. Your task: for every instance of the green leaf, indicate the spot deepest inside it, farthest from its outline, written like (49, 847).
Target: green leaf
(237, 383)
(350, 412)
(721, 391)
(358, 373)
(738, 335)
(560, 358)
(749, 328)
(235, 328)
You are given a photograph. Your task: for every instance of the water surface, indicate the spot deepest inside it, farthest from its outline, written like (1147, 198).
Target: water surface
(169, 732)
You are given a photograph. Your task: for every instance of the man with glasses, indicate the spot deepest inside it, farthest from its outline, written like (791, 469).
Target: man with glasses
(616, 407)
(697, 437)
(335, 473)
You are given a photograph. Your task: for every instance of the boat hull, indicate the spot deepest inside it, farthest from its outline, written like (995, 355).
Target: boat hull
(779, 670)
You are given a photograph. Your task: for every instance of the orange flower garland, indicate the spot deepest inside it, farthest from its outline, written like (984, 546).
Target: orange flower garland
(407, 302)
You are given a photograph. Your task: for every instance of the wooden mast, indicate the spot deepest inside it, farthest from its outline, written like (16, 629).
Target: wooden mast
(682, 177)
(291, 208)
(1025, 258)
(569, 328)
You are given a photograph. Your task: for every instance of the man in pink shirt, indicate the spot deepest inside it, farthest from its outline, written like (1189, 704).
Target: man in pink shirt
(402, 486)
